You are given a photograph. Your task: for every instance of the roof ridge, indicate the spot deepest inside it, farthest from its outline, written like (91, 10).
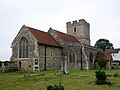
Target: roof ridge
(62, 32)
(35, 29)
(66, 37)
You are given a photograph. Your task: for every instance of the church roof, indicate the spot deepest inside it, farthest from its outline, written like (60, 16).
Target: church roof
(66, 37)
(44, 37)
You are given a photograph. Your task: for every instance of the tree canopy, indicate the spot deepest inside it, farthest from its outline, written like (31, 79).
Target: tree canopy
(102, 62)
(103, 44)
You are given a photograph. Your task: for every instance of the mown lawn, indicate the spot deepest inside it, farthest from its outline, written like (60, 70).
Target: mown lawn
(76, 80)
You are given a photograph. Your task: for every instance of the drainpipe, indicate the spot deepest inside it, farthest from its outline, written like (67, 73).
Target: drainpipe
(45, 59)
(81, 57)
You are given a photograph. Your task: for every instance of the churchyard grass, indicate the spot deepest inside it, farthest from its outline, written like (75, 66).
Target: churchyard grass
(76, 80)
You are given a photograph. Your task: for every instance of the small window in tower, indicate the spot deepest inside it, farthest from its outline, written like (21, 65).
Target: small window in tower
(74, 29)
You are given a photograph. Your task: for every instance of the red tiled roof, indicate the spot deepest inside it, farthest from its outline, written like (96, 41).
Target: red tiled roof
(66, 37)
(43, 37)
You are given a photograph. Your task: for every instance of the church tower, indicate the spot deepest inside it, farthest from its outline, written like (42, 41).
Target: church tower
(80, 29)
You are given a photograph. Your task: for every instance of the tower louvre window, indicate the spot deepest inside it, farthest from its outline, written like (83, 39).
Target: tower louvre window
(74, 29)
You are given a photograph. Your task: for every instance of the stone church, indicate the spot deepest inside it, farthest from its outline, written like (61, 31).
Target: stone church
(36, 50)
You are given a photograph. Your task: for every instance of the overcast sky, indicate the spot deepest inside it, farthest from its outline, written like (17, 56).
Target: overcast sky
(103, 16)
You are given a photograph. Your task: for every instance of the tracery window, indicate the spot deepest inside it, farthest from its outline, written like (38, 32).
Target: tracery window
(71, 56)
(23, 49)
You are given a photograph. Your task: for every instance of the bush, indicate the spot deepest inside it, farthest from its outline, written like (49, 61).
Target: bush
(102, 62)
(100, 82)
(55, 87)
(100, 77)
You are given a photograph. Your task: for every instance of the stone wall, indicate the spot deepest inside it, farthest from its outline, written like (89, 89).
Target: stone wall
(53, 57)
(89, 50)
(26, 63)
(77, 51)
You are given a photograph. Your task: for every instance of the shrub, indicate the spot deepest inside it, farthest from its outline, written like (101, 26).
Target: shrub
(55, 87)
(100, 82)
(100, 77)
(102, 62)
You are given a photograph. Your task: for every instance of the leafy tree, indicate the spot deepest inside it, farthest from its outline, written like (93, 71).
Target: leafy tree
(102, 62)
(103, 44)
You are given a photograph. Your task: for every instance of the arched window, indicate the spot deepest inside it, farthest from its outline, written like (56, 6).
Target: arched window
(91, 57)
(71, 56)
(23, 49)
